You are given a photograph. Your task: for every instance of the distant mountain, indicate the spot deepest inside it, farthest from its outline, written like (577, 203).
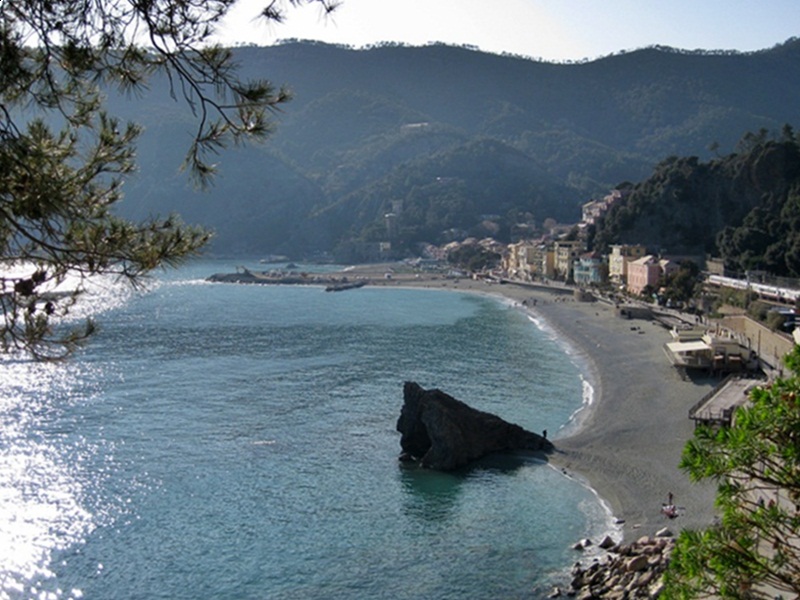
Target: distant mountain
(450, 139)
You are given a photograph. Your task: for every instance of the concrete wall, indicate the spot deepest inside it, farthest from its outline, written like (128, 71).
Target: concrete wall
(771, 346)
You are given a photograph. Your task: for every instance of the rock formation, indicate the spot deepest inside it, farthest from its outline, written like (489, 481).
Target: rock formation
(444, 433)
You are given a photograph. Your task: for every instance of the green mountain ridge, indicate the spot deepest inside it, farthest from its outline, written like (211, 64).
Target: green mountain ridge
(508, 136)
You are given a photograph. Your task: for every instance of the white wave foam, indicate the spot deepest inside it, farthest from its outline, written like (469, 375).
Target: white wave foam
(545, 328)
(600, 517)
(575, 419)
(581, 362)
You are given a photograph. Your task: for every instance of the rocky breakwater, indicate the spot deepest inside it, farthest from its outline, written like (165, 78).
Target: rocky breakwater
(634, 570)
(331, 282)
(444, 433)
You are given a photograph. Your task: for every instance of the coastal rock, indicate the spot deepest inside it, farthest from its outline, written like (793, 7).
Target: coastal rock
(632, 571)
(664, 532)
(637, 563)
(445, 434)
(607, 543)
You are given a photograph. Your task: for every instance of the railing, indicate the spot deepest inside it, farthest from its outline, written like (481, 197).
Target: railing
(693, 410)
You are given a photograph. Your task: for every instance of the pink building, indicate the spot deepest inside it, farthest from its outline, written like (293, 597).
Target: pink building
(647, 271)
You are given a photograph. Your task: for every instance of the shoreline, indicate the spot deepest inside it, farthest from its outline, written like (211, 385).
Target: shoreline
(626, 444)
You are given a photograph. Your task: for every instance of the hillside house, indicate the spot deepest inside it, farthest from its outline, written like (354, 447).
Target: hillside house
(594, 210)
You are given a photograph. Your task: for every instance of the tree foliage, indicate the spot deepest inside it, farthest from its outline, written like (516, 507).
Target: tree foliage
(744, 207)
(63, 159)
(681, 285)
(754, 552)
(473, 258)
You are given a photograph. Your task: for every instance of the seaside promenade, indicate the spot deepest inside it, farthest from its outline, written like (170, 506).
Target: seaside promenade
(628, 444)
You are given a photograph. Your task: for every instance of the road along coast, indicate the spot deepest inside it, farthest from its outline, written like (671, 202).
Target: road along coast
(628, 443)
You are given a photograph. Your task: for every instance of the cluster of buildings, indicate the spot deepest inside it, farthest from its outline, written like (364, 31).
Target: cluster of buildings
(556, 256)
(626, 265)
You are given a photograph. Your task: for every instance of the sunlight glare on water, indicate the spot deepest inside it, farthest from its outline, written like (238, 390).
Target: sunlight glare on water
(41, 492)
(43, 480)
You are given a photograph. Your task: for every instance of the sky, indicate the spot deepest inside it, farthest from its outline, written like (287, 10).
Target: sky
(552, 30)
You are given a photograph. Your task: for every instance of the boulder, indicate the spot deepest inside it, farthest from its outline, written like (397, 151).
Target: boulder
(444, 433)
(664, 532)
(632, 572)
(607, 543)
(637, 563)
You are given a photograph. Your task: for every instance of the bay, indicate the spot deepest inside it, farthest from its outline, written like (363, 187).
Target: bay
(233, 441)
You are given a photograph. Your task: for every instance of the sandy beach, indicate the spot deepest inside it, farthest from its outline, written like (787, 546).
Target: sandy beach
(628, 443)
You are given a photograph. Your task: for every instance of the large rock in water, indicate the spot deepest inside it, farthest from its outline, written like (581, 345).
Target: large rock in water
(444, 433)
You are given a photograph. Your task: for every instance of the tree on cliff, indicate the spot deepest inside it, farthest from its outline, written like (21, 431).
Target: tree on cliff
(756, 546)
(63, 159)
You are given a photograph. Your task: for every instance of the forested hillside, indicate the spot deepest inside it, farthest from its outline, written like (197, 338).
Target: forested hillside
(744, 207)
(450, 140)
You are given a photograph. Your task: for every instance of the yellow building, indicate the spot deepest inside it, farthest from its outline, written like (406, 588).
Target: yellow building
(566, 253)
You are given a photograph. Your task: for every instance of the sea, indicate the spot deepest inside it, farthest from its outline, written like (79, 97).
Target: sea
(239, 441)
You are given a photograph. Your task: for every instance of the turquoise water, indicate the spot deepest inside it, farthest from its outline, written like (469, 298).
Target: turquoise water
(225, 441)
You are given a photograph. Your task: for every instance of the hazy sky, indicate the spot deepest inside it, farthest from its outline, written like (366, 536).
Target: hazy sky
(549, 29)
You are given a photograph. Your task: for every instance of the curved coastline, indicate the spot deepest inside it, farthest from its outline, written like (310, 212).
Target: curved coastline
(627, 442)
(590, 378)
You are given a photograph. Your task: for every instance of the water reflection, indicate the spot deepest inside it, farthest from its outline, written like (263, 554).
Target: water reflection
(430, 495)
(505, 462)
(433, 495)
(41, 485)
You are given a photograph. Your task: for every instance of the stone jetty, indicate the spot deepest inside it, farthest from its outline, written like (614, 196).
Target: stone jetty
(333, 282)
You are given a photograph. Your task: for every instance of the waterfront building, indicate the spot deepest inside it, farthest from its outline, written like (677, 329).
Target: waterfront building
(566, 252)
(642, 272)
(542, 260)
(590, 269)
(713, 351)
(621, 255)
(514, 260)
(528, 260)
